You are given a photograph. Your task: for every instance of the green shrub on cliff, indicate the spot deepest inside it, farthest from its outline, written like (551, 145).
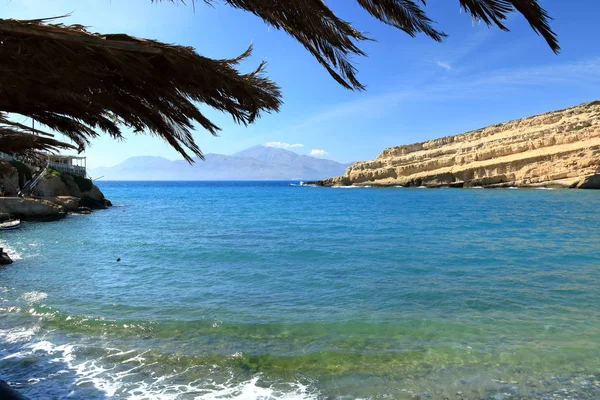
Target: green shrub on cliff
(580, 126)
(52, 172)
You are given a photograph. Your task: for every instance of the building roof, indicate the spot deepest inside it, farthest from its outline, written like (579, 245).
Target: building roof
(65, 157)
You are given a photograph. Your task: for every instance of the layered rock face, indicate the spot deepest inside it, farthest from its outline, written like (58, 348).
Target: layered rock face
(556, 149)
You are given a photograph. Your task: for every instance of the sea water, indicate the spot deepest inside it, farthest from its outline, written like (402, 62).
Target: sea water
(250, 290)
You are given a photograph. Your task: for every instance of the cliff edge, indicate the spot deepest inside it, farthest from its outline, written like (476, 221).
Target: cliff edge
(55, 195)
(558, 149)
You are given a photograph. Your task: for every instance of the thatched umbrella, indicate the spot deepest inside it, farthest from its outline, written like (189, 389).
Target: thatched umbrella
(76, 82)
(332, 40)
(22, 141)
(26, 144)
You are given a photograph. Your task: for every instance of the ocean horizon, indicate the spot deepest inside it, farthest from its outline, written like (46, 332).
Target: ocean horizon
(273, 290)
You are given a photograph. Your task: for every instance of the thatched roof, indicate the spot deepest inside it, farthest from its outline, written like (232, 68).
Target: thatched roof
(80, 83)
(22, 141)
(75, 82)
(332, 41)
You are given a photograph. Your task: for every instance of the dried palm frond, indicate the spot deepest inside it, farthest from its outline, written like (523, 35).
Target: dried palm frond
(78, 83)
(24, 142)
(332, 41)
(75, 82)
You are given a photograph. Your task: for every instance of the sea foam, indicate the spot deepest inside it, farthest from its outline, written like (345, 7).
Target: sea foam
(34, 297)
(130, 377)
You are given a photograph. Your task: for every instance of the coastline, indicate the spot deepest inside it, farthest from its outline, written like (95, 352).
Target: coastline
(558, 149)
(54, 196)
(586, 182)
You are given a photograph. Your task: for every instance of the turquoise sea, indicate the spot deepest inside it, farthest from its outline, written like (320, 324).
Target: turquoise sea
(270, 290)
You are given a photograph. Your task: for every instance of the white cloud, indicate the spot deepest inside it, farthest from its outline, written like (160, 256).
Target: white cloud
(444, 64)
(282, 145)
(318, 153)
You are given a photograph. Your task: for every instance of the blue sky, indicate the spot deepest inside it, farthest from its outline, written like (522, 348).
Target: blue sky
(416, 89)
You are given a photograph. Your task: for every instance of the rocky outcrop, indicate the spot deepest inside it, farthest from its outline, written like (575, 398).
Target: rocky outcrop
(4, 259)
(54, 185)
(57, 188)
(31, 209)
(94, 199)
(9, 178)
(556, 149)
(55, 195)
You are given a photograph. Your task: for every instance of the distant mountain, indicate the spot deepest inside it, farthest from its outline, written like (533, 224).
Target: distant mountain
(255, 163)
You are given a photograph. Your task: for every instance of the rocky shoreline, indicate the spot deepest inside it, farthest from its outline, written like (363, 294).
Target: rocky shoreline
(54, 198)
(49, 208)
(559, 149)
(56, 195)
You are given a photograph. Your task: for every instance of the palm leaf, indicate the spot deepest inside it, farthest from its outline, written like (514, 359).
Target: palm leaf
(78, 83)
(333, 41)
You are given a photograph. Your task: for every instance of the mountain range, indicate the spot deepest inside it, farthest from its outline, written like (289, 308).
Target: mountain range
(255, 163)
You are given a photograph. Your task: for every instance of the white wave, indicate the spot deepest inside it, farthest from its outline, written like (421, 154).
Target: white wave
(129, 378)
(34, 297)
(18, 335)
(250, 390)
(477, 187)
(346, 187)
(12, 253)
(421, 187)
(10, 309)
(544, 188)
(512, 187)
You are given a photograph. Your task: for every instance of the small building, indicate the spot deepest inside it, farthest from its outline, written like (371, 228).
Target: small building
(73, 165)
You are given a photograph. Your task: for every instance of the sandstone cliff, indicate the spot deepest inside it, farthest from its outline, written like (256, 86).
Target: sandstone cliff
(556, 149)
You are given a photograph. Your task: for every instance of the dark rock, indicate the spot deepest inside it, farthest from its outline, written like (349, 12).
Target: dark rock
(487, 181)
(590, 182)
(93, 203)
(82, 210)
(5, 259)
(8, 393)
